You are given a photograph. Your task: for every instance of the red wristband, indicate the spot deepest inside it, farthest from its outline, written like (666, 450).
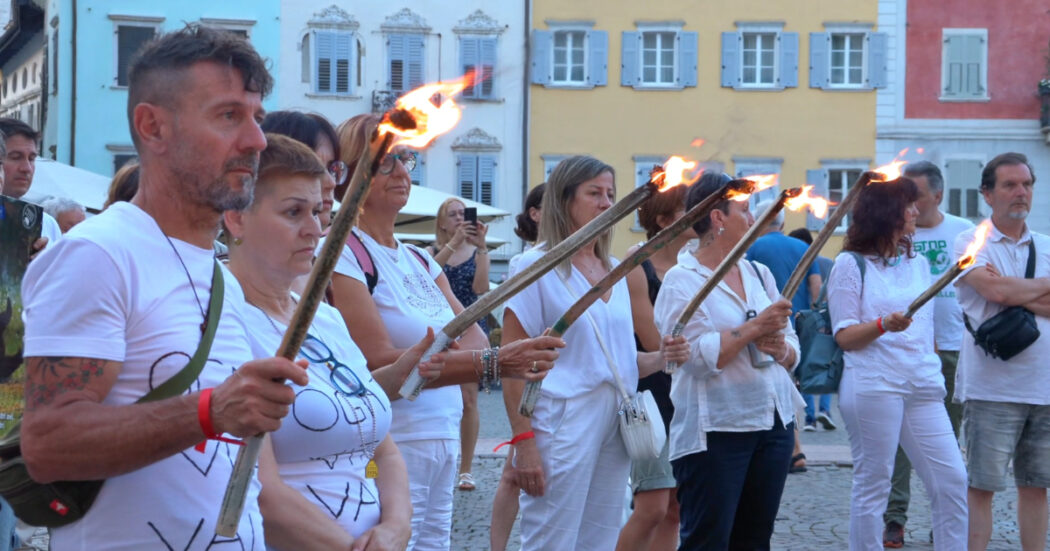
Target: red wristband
(204, 418)
(523, 436)
(882, 330)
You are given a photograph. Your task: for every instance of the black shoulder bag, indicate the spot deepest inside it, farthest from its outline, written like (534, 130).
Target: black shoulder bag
(1009, 332)
(60, 503)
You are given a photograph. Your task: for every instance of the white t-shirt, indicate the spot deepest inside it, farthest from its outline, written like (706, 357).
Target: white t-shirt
(327, 440)
(1024, 379)
(738, 397)
(49, 229)
(581, 366)
(409, 301)
(937, 244)
(895, 362)
(115, 290)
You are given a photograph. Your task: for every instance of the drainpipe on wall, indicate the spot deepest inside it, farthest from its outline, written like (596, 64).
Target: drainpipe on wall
(525, 108)
(73, 89)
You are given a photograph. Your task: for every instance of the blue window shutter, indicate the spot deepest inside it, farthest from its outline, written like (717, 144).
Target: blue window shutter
(468, 175)
(415, 75)
(819, 60)
(343, 48)
(730, 60)
(468, 61)
(688, 43)
(487, 56)
(789, 60)
(396, 56)
(325, 51)
(878, 59)
(819, 180)
(629, 59)
(542, 51)
(598, 58)
(486, 179)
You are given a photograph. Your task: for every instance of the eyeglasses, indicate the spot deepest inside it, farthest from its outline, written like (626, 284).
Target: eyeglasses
(338, 171)
(407, 158)
(342, 377)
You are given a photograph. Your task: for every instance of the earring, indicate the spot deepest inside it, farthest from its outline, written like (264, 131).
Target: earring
(721, 231)
(237, 241)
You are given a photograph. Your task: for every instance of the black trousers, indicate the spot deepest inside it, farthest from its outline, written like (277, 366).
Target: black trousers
(729, 495)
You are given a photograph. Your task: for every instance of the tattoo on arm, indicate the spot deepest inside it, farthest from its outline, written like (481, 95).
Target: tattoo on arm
(49, 377)
(735, 333)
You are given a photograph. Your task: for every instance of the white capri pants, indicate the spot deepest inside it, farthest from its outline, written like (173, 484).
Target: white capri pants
(432, 467)
(916, 418)
(585, 466)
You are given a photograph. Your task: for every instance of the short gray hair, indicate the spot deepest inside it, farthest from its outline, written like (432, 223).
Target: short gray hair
(763, 206)
(57, 205)
(929, 170)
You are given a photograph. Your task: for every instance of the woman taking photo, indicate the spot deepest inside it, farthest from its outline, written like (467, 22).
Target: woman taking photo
(574, 466)
(390, 294)
(461, 252)
(331, 474)
(892, 388)
(732, 432)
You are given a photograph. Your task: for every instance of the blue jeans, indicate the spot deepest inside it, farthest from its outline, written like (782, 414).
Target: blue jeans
(825, 406)
(730, 494)
(8, 538)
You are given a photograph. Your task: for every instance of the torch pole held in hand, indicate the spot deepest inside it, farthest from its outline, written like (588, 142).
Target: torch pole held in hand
(414, 383)
(248, 456)
(941, 283)
(757, 229)
(658, 241)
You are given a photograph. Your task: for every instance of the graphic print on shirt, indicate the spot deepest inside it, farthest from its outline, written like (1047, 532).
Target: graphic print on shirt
(424, 295)
(217, 541)
(937, 252)
(171, 363)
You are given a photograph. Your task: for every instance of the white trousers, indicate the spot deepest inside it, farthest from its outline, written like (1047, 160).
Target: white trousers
(432, 467)
(876, 421)
(585, 465)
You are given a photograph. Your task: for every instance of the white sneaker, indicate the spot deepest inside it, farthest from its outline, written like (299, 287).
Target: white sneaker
(810, 427)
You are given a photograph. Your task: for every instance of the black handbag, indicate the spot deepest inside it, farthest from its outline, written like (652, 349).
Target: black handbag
(1009, 332)
(62, 502)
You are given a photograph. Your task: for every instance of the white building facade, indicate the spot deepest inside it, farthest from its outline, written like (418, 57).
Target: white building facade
(344, 60)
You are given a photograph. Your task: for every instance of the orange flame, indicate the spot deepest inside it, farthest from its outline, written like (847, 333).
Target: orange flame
(758, 183)
(817, 204)
(675, 172)
(892, 170)
(979, 237)
(431, 119)
(699, 142)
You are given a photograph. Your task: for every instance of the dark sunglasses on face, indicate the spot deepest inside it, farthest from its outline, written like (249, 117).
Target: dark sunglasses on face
(406, 158)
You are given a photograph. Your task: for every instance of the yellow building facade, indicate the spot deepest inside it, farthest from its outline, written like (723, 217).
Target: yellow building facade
(785, 87)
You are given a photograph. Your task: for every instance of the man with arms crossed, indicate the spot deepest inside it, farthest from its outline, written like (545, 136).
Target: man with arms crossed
(119, 307)
(1006, 404)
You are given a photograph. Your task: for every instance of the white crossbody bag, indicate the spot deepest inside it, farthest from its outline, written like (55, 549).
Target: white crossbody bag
(641, 425)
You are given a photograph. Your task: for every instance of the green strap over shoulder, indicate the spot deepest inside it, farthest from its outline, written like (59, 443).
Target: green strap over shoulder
(185, 377)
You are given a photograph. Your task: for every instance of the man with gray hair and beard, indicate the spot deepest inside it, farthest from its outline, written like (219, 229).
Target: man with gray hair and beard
(119, 306)
(1006, 404)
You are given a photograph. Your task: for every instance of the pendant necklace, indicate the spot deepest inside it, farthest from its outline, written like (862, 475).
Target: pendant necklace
(200, 305)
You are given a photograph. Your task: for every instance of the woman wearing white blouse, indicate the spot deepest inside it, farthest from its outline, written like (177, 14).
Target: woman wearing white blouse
(892, 388)
(570, 459)
(732, 433)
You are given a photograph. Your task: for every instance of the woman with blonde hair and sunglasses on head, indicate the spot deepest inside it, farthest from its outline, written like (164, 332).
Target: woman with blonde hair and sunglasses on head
(389, 294)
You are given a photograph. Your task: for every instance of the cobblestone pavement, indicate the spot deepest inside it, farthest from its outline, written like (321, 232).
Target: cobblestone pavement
(814, 512)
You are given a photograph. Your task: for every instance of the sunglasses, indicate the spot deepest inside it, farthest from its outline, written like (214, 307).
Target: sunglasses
(342, 377)
(338, 171)
(406, 158)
